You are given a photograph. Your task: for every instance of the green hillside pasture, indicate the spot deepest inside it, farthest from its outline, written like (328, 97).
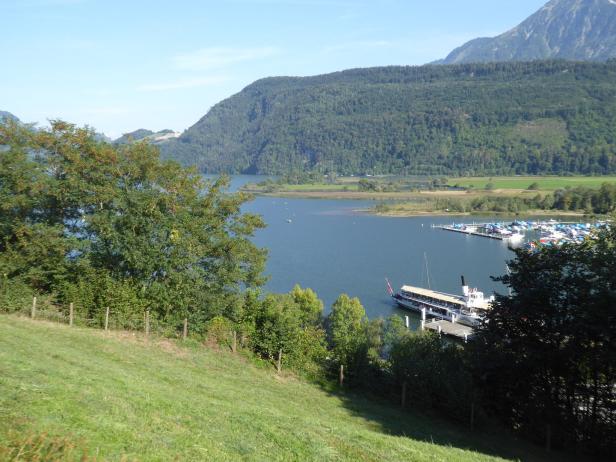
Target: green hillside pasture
(123, 396)
(546, 183)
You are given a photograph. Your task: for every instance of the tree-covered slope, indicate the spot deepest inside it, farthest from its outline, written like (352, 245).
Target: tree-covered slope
(563, 29)
(507, 118)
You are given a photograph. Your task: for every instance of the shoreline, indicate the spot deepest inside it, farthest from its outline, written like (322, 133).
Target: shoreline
(393, 196)
(529, 213)
(409, 197)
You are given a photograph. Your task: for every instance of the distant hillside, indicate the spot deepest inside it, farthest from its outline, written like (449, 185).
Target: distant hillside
(4, 115)
(579, 30)
(507, 118)
(126, 398)
(148, 135)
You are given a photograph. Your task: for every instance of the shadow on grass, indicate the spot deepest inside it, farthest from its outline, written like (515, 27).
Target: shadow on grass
(420, 425)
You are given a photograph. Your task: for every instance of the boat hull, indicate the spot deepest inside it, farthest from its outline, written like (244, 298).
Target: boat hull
(434, 312)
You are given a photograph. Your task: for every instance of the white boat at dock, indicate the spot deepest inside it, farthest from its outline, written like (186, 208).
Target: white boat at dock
(468, 308)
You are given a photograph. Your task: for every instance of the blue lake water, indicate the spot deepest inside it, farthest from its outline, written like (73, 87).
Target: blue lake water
(332, 248)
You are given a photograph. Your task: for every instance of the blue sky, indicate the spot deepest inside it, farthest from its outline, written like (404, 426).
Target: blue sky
(122, 65)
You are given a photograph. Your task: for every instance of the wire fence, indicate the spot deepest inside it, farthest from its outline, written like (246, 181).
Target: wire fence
(106, 319)
(218, 331)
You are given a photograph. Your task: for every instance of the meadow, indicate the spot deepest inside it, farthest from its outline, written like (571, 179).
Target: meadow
(121, 396)
(544, 183)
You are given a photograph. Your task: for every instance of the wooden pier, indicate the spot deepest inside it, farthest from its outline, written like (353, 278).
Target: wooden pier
(452, 329)
(473, 233)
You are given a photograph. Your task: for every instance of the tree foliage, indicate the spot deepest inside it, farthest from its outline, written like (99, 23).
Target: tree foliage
(290, 324)
(546, 357)
(103, 225)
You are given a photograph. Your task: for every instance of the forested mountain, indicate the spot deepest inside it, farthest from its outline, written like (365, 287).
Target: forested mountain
(505, 118)
(149, 135)
(579, 30)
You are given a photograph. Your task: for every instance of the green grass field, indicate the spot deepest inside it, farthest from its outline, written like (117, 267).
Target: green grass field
(546, 183)
(123, 396)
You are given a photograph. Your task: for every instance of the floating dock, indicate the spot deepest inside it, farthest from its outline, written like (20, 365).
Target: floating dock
(474, 232)
(452, 329)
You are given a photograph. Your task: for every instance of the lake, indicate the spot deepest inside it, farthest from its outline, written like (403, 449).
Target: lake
(333, 248)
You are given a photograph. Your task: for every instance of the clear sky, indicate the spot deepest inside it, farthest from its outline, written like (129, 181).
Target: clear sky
(119, 65)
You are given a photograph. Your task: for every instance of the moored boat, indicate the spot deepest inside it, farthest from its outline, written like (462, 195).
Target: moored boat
(468, 308)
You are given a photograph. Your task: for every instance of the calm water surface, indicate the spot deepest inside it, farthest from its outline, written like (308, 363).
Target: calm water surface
(333, 248)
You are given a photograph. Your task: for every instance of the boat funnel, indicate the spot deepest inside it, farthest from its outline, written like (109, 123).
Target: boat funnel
(464, 287)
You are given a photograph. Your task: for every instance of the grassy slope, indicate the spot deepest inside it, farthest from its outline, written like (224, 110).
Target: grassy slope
(158, 401)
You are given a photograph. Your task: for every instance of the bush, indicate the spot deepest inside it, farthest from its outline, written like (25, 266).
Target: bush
(15, 295)
(219, 331)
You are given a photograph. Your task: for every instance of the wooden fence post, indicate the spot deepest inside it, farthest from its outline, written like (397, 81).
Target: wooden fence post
(472, 415)
(341, 376)
(71, 314)
(147, 323)
(279, 363)
(185, 331)
(403, 400)
(33, 312)
(234, 342)
(107, 319)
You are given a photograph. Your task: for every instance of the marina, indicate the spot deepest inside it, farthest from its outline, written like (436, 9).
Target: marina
(549, 232)
(477, 230)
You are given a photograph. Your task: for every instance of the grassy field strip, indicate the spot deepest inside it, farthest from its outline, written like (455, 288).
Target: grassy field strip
(121, 395)
(513, 185)
(545, 183)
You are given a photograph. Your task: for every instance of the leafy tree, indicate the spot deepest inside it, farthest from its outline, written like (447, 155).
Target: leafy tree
(546, 357)
(309, 305)
(284, 325)
(347, 335)
(82, 213)
(534, 186)
(435, 371)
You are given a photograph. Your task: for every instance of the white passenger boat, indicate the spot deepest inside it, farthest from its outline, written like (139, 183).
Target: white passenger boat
(468, 308)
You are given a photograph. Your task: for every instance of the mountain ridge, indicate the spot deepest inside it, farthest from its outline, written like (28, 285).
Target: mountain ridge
(580, 30)
(5, 115)
(150, 136)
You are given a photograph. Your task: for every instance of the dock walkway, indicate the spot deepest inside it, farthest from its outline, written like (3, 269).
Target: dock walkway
(473, 232)
(452, 329)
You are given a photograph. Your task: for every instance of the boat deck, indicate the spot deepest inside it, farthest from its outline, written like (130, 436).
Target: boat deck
(452, 329)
